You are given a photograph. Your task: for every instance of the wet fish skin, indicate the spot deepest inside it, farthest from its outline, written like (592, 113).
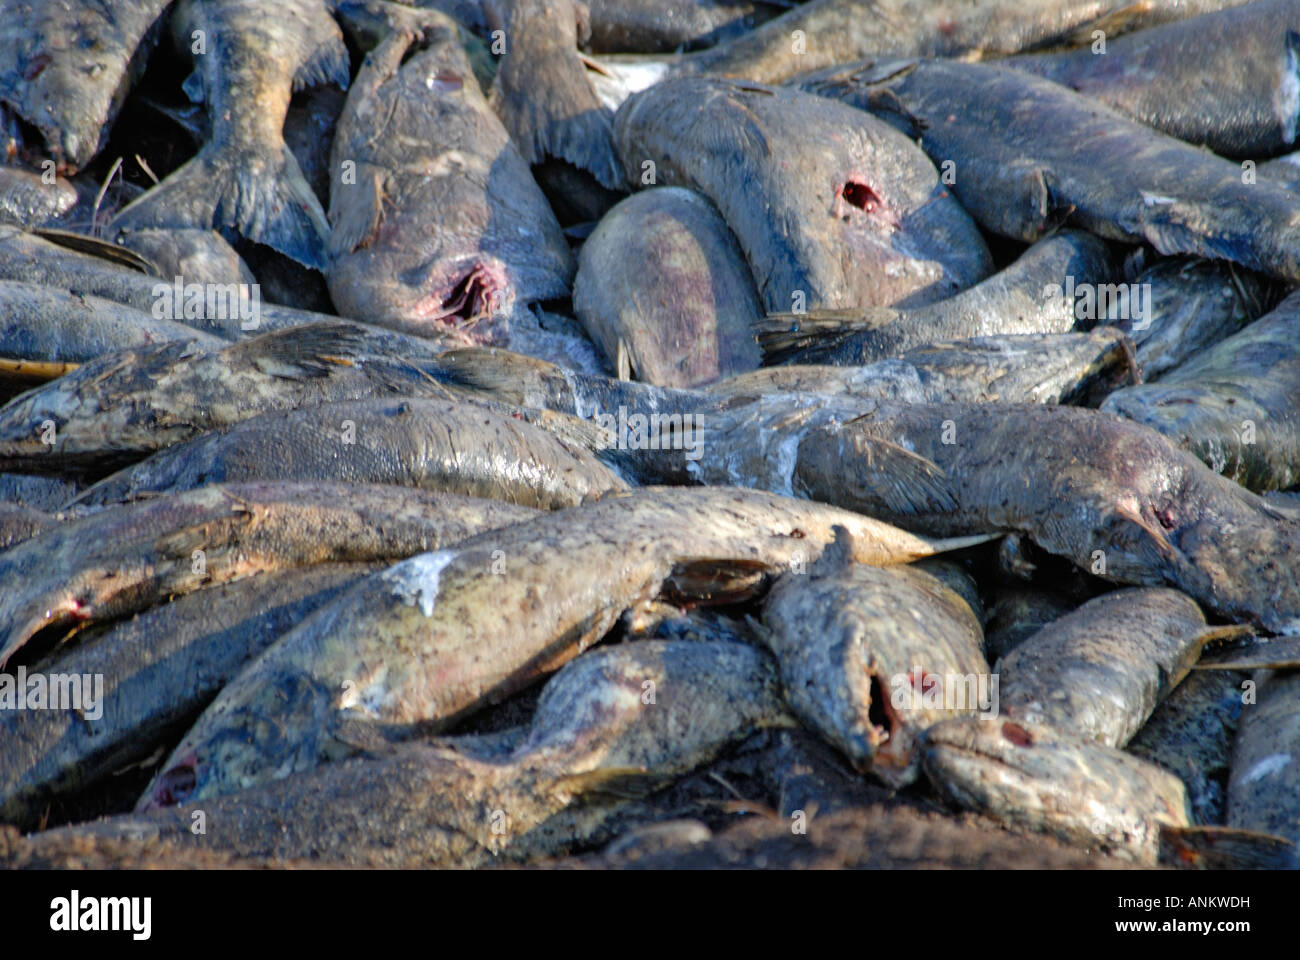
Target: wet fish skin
(437, 445)
(19, 522)
(664, 289)
(26, 200)
(1236, 405)
(541, 91)
(1032, 777)
(651, 26)
(1143, 186)
(309, 130)
(1100, 671)
(438, 226)
(1017, 300)
(245, 177)
(1226, 80)
(1193, 305)
(67, 68)
(197, 256)
(1190, 734)
(428, 641)
(1016, 614)
(1283, 172)
(160, 667)
(54, 325)
(845, 637)
(1262, 785)
(118, 561)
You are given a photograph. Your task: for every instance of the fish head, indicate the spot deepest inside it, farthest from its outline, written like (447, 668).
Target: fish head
(468, 298)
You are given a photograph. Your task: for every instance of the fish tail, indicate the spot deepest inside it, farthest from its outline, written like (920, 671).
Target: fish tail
(1207, 848)
(264, 196)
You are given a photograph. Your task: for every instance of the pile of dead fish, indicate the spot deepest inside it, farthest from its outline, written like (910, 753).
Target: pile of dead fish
(435, 434)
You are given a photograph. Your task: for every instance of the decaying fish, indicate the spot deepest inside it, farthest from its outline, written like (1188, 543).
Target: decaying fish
(46, 494)
(866, 222)
(541, 90)
(1100, 671)
(655, 26)
(55, 325)
(159, 669)
(1228, 80)
(28, 200)
(1187, 306)
(120, 560)
(871, 656)
(248, 62)
(1190, 734)
(609, 727)
(1236, 405)
(127, 405)
(1027, 297)
(1265, 780)
(1134, 185)
(664, 289)
(66, 68)
(1017, 613)
(197, 256)
(19, 522)
(1283, 172)
(438, 445)
(438, 224)
(442, 634)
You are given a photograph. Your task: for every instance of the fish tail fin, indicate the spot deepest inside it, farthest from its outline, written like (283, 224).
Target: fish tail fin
(783, 334)
(624, 782)
(1215, 848)
(264, 196)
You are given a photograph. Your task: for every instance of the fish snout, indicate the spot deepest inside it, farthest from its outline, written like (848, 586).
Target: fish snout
(174, 785)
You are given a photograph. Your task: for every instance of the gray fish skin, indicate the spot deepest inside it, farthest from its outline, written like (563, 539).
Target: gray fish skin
(593, 741)
(655, 26)
(1017, 300)
(1193, 305)
(866, 222)
(67, 68)
(1236, 405)
(130, 404)
(437, 445)
(198, 256)
(309, 130)
(1106, 493)
(159, 668)
(1138, 185)
(245, 177)
(837, 31)
(1034, 778)
(1190, 734)
(46, 494)
(54, 325)
(1015, 614)
(1227, 80)
(19, 522)
(541, 91)
(426, 642)
(28, 201)
(1283, 172)
(846, 638)
(663, 283)
(1265, 778)
(118, 561)
(1100, 671)
(442, 228)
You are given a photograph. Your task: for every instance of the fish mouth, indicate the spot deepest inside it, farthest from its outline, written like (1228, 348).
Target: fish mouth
(891, 752)
(469, 300)
(174, 785)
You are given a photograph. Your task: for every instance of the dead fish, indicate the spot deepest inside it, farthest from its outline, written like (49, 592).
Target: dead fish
(118, 561)
(309, 129)
(438, 224)
(46, 494)
(871, 656)
(1283, 172)
(1027, 297)
(541, 90)
(1100, 671)
(159, 668)
(1227, 80)
(130, 404)
(19, 522)
(1189, 305)
(609, 727)
(664, 289)
(67, 68)
(1255, 653)
(866, 223)
(1017, 613)
(1114, 497)
(245, 177)
(821, 33)
(1190, 734)
(1236, 405)
(1262, 787)
(28, 200)
(54, 325)
(197, 256)
(1035, 778)
(428, 641)
(1136, 185)
(437, 445)
(653, 26)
